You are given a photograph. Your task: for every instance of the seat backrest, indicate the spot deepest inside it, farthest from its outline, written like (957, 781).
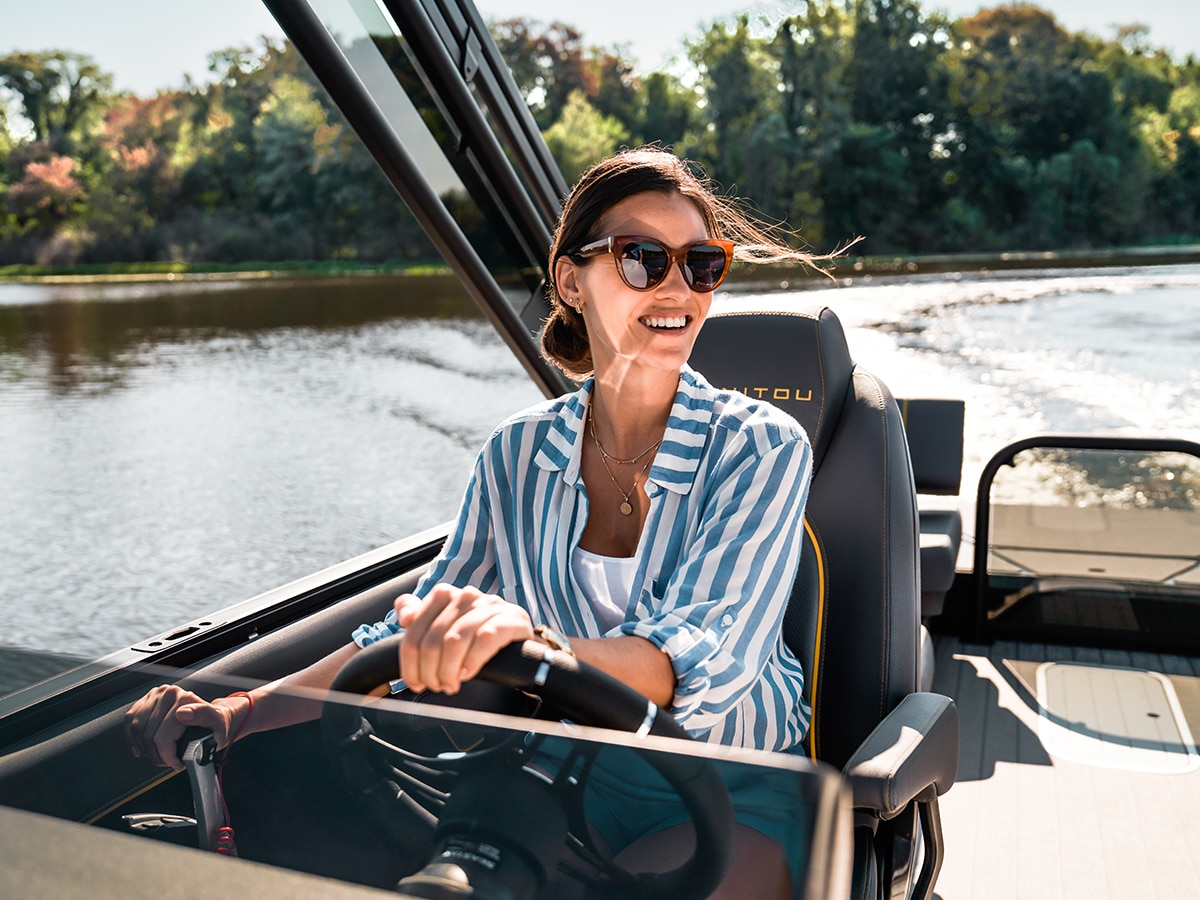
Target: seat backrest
(855, 609)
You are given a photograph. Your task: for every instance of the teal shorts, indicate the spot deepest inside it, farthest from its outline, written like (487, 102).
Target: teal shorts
(627, 800)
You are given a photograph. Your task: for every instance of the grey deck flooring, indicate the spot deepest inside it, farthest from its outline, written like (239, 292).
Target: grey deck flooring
(1020, 823)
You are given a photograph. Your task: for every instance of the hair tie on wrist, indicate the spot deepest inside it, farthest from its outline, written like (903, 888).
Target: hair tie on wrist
(245, 721)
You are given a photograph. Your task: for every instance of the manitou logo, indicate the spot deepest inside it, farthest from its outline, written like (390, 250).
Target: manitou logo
(775, 393)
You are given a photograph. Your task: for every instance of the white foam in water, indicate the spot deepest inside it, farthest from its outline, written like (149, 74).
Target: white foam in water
(1046, 352)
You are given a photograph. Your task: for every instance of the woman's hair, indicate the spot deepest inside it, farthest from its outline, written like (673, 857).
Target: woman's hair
(564, 336)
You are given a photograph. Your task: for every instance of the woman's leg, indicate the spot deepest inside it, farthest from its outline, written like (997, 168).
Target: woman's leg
(759, 867)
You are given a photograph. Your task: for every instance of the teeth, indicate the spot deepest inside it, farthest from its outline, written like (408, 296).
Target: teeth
(665, 322)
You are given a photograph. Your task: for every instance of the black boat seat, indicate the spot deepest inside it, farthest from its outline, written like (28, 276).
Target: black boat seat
(854, 615)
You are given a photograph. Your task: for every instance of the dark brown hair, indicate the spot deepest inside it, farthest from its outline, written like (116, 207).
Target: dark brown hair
(564, 336)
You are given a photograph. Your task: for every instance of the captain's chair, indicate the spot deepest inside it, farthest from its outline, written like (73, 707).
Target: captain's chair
(855, 610)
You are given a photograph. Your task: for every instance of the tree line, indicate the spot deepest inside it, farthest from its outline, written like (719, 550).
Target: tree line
(923, 134)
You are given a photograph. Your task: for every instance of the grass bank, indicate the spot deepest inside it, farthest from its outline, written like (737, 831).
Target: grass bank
(172, 271)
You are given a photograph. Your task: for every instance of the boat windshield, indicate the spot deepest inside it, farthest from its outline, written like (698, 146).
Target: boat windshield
(371, 794)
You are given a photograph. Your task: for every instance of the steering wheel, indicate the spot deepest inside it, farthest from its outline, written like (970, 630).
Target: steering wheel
(478, 843)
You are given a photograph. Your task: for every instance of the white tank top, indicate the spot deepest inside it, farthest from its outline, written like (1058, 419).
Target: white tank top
(607, 581)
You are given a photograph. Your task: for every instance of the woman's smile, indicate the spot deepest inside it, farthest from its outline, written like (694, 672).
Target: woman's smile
(665, 323)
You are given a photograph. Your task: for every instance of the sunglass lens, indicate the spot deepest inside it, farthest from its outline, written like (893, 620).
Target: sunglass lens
(704, 266)
(643, 264)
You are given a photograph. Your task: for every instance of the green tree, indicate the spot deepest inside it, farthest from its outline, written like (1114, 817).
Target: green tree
(813, 51)
(583, 136)
(293, 139)
(612, 87)
(898, 93)
(668, 110)
(743, 132)
(1024, 92)
(1078, 197)
(61, 95)
(547, 63)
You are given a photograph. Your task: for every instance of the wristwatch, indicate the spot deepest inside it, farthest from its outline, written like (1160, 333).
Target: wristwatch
(556, 641)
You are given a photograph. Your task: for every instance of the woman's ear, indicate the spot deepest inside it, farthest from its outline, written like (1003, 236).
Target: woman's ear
(566, 281)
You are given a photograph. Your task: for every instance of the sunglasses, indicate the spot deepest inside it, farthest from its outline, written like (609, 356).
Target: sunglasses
(643, 263)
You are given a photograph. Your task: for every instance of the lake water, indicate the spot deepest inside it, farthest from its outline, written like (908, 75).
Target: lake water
(169, 449)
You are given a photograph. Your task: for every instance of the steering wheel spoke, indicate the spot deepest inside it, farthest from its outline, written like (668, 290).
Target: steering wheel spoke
(502, 814)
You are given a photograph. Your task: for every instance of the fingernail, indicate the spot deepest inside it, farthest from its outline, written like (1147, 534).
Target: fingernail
(136, 752)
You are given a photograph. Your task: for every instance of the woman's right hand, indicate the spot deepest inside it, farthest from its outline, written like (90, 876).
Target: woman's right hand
(452, 632)
(154, 724)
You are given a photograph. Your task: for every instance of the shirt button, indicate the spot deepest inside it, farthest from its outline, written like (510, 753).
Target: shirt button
(726, 620)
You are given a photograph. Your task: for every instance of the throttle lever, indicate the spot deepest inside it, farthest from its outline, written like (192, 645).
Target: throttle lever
(198, 750)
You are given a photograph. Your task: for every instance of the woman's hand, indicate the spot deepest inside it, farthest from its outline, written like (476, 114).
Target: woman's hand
(154, 724)
(452, 632)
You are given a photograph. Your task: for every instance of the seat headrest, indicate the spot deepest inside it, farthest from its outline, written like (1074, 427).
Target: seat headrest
(791, 355)
(935, 443)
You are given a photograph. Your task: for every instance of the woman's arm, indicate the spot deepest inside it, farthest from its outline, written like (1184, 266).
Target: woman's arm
(634, 661)
(154, 723)
(720, 614)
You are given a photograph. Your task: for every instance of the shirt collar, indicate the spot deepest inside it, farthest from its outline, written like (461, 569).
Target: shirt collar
(679, 455)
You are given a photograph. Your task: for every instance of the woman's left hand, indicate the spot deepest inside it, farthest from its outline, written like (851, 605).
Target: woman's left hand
(452, 632)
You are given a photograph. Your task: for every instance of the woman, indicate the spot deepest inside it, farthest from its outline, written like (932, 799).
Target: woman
(651, 518)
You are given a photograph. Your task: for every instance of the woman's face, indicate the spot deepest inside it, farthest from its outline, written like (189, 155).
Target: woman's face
(639, 330)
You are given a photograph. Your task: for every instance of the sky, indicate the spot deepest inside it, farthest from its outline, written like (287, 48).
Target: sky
(148, 45)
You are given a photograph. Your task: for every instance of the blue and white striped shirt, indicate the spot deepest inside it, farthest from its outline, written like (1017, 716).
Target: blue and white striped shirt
(716, 559)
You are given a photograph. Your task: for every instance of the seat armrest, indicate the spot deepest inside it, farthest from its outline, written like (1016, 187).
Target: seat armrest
(911, 755)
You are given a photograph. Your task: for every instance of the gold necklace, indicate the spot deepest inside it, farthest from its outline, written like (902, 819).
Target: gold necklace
(626, 506)
(608, 456)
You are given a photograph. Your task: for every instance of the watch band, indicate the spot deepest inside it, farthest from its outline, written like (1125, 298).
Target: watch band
(556, 641)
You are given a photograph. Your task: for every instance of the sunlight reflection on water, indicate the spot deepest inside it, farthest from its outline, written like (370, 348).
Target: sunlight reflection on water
(166, 451)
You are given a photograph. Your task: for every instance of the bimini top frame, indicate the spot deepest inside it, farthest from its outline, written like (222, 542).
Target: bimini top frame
(425, 88)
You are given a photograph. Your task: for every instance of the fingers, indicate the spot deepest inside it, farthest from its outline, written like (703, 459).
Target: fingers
(154, 723)
(151, 726)
(504, 624)
(452, 632)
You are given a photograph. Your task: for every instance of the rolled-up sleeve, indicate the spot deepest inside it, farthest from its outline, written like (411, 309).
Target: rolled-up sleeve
(720, 615)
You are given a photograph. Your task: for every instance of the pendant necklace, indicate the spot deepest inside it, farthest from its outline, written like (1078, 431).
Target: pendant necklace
(626, 506)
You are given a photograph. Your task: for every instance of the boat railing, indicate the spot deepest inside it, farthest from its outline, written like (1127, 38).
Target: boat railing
(1089, 539)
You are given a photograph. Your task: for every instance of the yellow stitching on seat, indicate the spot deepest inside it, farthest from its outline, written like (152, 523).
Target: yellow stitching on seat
(820, 630)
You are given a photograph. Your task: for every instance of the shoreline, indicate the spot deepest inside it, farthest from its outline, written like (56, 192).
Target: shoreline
(897, 264)
(969, 263)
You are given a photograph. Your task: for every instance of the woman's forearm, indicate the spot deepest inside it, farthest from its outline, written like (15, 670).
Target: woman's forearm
(296, 698)
(292, 699)
(634, 661)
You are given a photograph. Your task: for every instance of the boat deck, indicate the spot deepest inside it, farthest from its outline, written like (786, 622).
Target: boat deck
(1078, 774)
